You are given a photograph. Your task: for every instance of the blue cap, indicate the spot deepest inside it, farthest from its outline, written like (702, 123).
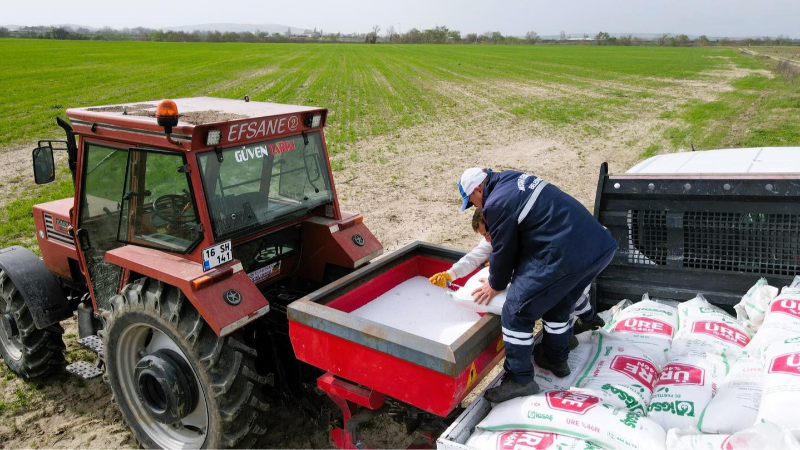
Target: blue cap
(466, 204)
(470, 179)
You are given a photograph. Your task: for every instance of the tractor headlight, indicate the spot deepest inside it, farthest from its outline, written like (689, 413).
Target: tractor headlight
(313, 120)
(213, 137)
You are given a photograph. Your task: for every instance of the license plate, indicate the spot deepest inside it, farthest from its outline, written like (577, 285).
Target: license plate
(216, 255)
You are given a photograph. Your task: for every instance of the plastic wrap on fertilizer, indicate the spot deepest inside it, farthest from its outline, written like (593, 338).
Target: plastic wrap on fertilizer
(463, 296)
(608, 314)
(620, 373)
(753, 306)
(757, 437)
(781, 385)
(648, 325)
(686, 386)
(525, 440)
(705, 328)
(735, 406)
(781, 322)
(576, 415)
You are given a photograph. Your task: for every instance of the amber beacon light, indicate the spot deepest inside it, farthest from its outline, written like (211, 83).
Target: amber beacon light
(167, 117)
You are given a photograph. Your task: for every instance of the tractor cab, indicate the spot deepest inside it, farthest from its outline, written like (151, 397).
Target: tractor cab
(208, 180)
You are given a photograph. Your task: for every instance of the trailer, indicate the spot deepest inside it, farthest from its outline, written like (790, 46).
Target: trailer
(710, 222)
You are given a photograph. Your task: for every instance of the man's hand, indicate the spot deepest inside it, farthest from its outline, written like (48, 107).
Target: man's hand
(485, 293)
(440, 279)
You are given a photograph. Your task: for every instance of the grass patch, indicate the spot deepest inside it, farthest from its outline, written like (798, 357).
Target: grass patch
(651, 150)
(16, 220)
(753, 82)
(24, 397)
(556, 113)
(337, 165)
(785, 134)
(702, 113)
(567, 111)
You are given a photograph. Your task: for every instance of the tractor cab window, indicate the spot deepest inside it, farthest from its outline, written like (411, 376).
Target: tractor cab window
(158, 208)
(257, 185)
(99, 215)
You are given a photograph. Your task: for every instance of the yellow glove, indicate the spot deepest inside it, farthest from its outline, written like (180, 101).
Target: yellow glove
(440, 279)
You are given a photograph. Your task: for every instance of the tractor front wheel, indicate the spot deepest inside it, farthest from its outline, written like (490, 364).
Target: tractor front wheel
(28, 351)
(177, 383)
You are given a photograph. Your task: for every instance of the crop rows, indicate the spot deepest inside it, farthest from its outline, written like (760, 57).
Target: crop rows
(377, 90)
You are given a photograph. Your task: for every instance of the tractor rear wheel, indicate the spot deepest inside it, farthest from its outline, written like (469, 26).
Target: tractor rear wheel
(28, 351)
(177, 383)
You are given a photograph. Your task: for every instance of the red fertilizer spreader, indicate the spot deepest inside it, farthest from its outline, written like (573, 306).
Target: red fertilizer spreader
(370, 366)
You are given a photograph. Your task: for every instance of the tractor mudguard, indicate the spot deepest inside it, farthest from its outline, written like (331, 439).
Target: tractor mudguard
(225, 306)
(41, 290)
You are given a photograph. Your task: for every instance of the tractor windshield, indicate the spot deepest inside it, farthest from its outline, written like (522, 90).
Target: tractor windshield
(261, 184)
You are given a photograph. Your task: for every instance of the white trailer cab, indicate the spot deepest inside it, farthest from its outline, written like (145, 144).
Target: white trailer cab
(710, 222)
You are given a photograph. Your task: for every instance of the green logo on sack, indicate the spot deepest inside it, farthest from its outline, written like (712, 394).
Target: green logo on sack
(536, 415)
(631, 402)
(678, 407)
(630, 420)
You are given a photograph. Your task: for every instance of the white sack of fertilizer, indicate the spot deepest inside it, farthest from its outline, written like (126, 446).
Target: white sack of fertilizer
(753, 306)
(735, 406)
(463, 296)
(686, 386)
(781, 322)
(525, 440)
(619, 373)
(781, 385)
(758, 437)
(705, 328)
(648, 325)
(576, 415)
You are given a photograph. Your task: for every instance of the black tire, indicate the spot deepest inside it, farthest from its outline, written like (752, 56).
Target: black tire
(29, 352)
(224, 369)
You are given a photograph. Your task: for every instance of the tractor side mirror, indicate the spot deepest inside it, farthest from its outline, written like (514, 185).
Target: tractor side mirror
(44, 168)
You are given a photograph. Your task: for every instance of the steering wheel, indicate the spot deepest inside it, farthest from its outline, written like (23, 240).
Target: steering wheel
(172, 208)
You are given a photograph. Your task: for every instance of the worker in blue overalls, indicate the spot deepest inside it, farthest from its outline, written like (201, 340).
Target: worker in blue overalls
(586, 319)
(553, 247)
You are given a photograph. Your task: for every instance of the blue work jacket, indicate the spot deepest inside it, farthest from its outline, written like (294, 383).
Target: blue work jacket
(539, 234)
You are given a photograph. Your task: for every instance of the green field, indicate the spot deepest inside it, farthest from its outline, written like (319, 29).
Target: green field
(374, 91)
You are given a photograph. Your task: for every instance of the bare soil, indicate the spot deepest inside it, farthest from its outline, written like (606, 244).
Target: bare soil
(405, 186)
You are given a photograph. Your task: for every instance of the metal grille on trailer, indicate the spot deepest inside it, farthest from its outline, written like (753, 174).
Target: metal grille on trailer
(767, 244)
(680, 235)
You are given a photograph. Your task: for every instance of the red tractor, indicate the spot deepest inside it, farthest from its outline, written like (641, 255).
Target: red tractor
(193, 225)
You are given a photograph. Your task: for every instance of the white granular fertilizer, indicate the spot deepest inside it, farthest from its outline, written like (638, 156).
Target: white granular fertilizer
(418, 307)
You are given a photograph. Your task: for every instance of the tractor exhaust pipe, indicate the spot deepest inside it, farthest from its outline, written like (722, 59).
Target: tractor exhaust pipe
(72, 147)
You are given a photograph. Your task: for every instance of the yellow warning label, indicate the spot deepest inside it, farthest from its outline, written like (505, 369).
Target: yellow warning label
(473, 373)
(500, 345)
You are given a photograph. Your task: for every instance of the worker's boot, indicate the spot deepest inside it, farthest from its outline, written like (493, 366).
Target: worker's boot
(508, 389)
(581, 326)
(559, 369)
(573, 342)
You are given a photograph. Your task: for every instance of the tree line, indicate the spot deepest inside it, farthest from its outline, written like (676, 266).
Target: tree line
(436, 35)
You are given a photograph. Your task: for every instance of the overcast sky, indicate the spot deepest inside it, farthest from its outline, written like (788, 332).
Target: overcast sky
(514, 17)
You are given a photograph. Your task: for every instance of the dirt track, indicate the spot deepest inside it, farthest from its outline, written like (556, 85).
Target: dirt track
(404, 185)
